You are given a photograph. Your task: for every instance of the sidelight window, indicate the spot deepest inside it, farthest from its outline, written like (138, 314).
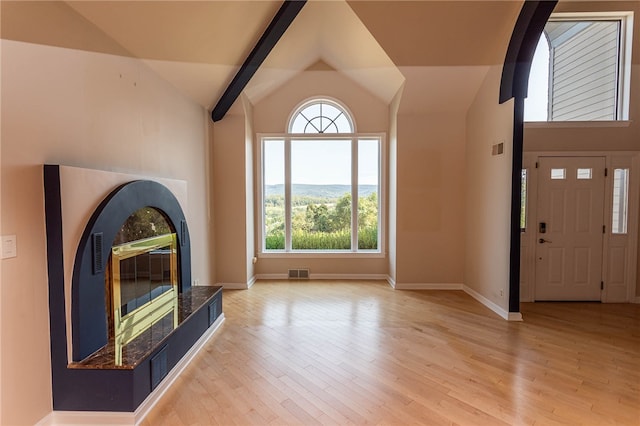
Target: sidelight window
(620, 201)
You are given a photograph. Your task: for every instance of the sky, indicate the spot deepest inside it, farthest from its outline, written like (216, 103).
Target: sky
(535, 105)
(321, 162)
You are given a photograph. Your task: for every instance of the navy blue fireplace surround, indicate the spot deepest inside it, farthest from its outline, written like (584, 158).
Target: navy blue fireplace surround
(92, 381)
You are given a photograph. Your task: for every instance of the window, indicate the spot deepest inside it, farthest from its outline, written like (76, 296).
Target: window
(581, 69)
(582, 174)
(523, 200)
(558, 174)
(321, 117)
(321, 184)
(620, 201)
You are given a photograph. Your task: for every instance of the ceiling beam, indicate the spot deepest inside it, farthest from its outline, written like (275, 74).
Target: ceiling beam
(279, 24)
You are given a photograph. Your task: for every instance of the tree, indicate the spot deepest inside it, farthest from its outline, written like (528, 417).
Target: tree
(318, 218)
(368, 211)
(341, 219)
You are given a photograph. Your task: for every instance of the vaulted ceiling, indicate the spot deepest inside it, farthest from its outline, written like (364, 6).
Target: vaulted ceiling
(440, 50)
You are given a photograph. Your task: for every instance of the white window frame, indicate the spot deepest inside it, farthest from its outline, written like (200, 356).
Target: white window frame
(323, 100)
(624, 67)
(354, 252)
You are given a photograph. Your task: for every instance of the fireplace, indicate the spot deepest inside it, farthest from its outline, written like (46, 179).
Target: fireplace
(134, 315)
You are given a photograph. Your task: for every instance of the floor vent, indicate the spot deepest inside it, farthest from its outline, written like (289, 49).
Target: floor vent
(295, 274)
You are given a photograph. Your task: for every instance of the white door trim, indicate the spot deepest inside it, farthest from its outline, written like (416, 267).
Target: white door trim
(625, 292)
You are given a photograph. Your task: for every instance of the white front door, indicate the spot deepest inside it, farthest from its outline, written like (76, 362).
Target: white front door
(570, 228)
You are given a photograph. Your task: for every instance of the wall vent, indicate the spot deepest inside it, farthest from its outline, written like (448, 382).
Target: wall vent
(295, 274)
(96, 251)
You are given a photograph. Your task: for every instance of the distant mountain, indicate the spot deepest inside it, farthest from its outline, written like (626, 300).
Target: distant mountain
(320, 191)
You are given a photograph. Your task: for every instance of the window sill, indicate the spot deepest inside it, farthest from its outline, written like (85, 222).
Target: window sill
(574, 124)
(322, 255)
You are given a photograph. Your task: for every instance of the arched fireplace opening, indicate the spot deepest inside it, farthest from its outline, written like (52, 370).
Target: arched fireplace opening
(141, 279)
(136, 219)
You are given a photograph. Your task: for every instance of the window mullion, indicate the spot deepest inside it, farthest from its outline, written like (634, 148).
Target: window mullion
(619, 79)
(287, 195)
(263, 221)
(354, 194)
(550, 97)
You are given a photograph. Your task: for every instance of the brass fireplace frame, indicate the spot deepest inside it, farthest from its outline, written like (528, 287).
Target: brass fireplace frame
(129, 326)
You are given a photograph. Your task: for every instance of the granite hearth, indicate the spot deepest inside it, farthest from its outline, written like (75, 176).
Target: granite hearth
(157, 335)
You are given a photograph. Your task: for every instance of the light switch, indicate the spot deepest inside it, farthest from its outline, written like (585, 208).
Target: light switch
(9, 246)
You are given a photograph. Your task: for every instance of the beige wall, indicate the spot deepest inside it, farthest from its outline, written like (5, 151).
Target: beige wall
(488, 193)
(249, 140)
(392, 196)
(1, 262)
(430, 199)
(91, 110)
(229, 193)
(271, 114)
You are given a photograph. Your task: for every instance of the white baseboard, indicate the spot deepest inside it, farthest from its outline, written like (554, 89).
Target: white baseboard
(391, 281)
(313, 276)
(96, 418)
(272, 276)
(515, 316)
(106, 418)
(509, 316)
(428, 286)
(234, 286)
(348, 276)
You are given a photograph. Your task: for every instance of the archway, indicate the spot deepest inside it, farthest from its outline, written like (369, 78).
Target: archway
(514, 84)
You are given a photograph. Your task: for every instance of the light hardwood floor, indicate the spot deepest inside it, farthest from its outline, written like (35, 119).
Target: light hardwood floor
(327, 352)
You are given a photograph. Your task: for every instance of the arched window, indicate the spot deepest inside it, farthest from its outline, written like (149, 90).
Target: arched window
(321, 184)
(536, 105)
(321, 116)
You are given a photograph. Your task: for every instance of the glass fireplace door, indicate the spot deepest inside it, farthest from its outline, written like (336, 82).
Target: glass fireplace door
(144, 286)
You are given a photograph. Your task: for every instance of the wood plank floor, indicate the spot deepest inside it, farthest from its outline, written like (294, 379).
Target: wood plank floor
(328, 352)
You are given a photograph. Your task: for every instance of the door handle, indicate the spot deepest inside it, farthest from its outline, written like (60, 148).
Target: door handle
(542, 240)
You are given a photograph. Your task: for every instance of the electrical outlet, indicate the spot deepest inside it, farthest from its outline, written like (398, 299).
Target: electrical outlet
(9, 246)
(501, 293)
(196, 282)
